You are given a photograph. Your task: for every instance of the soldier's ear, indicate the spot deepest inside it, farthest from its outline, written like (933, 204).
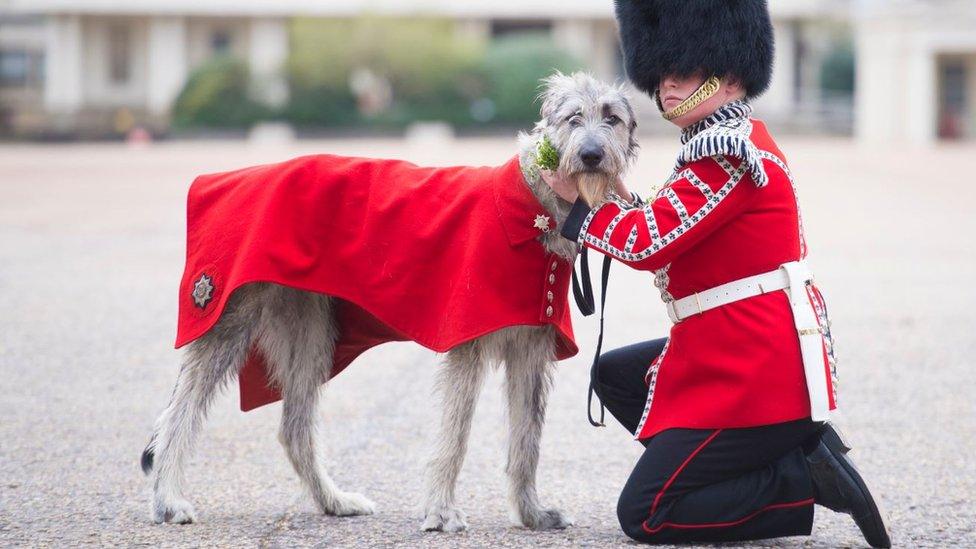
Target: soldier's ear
(733, 85)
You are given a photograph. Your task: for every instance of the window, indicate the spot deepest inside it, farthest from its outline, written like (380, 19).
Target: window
(21, 68)
(14, 68)
(501, 27)
(220, 41)
(953, 102)
(119, 54)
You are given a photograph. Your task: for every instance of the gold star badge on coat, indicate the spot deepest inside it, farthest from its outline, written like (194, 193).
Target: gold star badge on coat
(542, 223)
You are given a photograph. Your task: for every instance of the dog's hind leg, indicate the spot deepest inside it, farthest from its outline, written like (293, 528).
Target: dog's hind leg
(299, 340)
(207, 365)
(459, 384)
(528, 378)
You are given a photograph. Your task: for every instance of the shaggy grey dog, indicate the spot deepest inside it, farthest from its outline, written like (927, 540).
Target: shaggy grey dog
(591, 124)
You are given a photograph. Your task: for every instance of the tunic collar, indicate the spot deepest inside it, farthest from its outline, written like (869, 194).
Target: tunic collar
(729, 111)
(520, 212)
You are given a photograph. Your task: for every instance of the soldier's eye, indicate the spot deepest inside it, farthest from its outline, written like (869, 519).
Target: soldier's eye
(613, 120)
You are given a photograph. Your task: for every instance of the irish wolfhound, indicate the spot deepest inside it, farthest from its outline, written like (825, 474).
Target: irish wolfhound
(592, 126)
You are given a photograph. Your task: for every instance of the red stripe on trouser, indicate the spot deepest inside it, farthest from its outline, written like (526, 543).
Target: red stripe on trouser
(658, 528)
(674, 475)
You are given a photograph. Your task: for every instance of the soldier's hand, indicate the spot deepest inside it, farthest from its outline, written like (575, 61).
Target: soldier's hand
(622, 191)
(563, 187)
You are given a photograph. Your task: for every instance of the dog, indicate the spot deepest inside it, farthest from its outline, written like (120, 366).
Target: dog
(592, 126)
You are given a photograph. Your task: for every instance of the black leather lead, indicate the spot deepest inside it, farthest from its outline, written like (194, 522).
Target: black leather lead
(585, 302)
(584, 297)
(604, 278)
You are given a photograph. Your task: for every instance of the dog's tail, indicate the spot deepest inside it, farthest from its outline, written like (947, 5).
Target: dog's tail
(148, 454)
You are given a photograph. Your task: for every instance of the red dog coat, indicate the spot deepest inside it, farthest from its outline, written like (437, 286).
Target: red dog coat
(439, 256)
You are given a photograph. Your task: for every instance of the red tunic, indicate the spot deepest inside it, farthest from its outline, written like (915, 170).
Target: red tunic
(729, 211)
(439, 256)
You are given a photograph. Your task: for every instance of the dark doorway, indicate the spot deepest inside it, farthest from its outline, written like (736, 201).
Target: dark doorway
(955, 116)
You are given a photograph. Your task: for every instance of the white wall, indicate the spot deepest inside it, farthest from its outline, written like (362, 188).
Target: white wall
(590, 9)
(100, 90)
(267, 53)
(592, 41)
(200, 32)
(897, 49)
(63, 82)
(168, 62)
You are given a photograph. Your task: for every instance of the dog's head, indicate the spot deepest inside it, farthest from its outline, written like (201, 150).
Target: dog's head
(593, 127)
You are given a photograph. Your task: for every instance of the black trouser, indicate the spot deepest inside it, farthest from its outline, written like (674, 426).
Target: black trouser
(705, 484)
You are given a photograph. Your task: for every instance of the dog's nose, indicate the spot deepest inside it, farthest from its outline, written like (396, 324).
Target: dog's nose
(591, 156)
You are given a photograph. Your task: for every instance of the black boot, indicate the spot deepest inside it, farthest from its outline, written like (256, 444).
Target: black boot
(838, 486)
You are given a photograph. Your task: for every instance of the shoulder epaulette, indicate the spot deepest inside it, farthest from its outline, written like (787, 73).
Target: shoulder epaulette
(727, 138)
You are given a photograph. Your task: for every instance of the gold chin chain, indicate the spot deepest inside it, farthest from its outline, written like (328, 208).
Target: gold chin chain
(706, 90)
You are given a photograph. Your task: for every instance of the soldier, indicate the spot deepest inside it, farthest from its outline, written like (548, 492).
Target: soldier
(732, 407)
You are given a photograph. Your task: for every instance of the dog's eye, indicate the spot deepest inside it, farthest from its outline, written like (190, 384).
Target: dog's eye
(613, 120)
(574, 119)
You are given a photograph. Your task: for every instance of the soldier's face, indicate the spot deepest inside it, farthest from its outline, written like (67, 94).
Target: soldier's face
(674, 89)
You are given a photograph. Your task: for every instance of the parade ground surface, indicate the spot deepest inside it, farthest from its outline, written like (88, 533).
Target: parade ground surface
(91, 253)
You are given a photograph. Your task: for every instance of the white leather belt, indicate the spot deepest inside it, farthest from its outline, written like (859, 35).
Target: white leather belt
(736, 290)
(792, 277)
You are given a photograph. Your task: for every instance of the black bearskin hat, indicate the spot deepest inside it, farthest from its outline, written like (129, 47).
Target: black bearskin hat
(718, 37)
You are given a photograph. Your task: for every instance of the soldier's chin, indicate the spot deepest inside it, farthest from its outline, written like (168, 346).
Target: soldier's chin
(592, 186)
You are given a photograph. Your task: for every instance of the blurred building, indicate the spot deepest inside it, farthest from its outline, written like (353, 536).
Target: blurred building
(71, 66)
(91, 65)
(916, 79)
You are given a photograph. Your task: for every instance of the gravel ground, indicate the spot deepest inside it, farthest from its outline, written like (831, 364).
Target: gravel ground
(91, 252)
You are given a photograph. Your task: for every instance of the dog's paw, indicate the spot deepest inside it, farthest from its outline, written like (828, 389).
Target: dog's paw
(175, 511)
(546, 519)
(350, 504)
(444, 519)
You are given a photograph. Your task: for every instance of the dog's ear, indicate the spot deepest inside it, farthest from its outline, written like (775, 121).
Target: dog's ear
(552, 96)
(632, 145)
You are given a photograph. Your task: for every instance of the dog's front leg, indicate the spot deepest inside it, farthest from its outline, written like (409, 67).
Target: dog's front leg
(459, 384)
(528, 377)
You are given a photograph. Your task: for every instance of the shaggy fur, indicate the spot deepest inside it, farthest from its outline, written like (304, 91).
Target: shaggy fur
(296, 332)
(681, 37)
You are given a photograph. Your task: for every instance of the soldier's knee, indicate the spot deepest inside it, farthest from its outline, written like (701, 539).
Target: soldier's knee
(631, 517)
(606, 369)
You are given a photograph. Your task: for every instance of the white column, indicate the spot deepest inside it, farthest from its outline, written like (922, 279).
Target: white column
(778, 101)
(605, 50)
(879, 98)
(921, 97)
(63, 85)
(167, 71)
(576, 37)
(592, 42)
(267, 55)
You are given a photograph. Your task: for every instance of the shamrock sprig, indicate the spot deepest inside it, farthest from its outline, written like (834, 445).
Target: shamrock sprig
(546, 155)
